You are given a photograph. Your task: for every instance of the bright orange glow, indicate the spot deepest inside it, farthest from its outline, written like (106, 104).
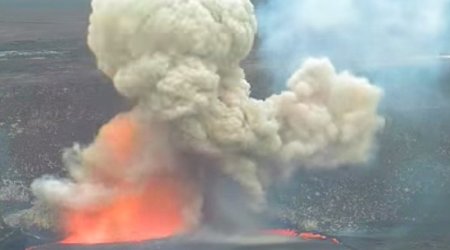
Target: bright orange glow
(120, 137)
(302, 235)
(150, 210)
(114, 148)
(152, 213)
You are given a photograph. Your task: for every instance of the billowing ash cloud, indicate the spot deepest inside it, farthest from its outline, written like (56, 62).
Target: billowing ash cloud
(180, 62)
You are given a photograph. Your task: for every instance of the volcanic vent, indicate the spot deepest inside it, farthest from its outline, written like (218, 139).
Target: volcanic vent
(145, 175)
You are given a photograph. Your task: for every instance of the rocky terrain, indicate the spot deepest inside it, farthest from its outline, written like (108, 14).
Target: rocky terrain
(52, 95)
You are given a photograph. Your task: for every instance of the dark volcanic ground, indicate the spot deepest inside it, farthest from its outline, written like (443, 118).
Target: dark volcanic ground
(52, 95)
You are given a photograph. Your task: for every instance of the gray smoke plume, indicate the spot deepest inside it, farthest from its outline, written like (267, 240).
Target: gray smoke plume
(180, 62)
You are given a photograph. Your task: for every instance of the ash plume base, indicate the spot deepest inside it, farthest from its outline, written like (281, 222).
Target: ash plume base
(180, 62)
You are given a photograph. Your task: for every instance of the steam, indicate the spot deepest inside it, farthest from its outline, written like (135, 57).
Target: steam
(180, 62)
(358, 35)
(396, 44)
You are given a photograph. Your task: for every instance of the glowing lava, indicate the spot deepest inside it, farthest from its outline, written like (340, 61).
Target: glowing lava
(148, 214)
(150, 210)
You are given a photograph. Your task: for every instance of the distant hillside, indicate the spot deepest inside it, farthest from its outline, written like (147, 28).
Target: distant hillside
(47, 4)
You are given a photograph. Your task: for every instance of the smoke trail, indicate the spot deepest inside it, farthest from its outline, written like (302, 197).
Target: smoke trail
(357, 35)
(180, 62)
(395, 44)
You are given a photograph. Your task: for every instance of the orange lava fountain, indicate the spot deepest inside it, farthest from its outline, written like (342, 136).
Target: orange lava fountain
(150, 210)
(150, 214)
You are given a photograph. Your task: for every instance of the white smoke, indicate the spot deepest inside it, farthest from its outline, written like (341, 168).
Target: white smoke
(54, 191)
(180, 61)
(327, 119)
(362, 35)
